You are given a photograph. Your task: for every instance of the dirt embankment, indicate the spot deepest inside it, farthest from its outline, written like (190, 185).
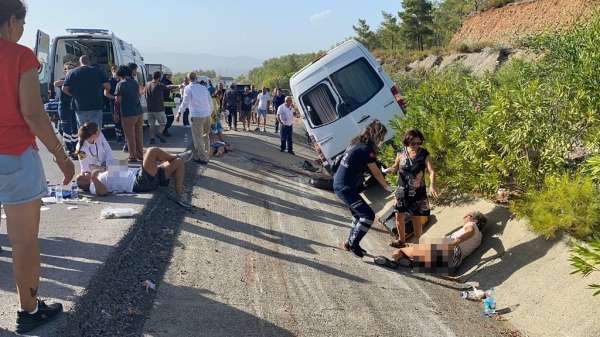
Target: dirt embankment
(504, 26)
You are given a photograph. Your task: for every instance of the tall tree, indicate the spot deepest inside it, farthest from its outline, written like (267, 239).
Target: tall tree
(389, 31)
(417, 22)
(365, 35)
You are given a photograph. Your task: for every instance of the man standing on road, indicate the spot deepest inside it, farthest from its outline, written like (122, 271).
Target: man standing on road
(247, 103)
(86, 84)
(285, 115)
(155, 97)
(197, 99)
(231, 101)
(262, 105)
(66, 115)
(278, 100)
(166, 80)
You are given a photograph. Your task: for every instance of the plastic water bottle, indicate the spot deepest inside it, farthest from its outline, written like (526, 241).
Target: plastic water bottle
(74, 191)
(473, 295)
(489, 303)
(58, 193)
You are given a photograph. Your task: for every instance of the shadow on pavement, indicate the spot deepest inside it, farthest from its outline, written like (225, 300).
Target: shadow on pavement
(237, 226)
(276, 204)
(211, 318)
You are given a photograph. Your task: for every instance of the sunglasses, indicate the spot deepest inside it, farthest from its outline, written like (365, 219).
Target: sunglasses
(415, 143)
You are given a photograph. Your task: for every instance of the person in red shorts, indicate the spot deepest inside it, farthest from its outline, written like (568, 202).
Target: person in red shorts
(22, 179)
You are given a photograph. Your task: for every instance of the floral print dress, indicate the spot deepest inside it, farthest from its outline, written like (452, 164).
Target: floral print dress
(411, 193)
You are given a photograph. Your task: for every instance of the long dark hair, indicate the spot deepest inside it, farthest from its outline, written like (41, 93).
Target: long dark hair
(372, 135)
(85, 132)
(9, 8)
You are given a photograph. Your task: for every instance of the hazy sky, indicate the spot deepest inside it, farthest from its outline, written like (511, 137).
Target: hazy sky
(259, 29)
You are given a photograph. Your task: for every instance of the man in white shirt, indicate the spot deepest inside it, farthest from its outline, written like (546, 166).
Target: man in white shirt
(285, 116)
(263, 101)
(196, 98)
(138, 180)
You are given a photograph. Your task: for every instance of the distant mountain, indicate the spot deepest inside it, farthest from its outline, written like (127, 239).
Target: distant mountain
(223, 65)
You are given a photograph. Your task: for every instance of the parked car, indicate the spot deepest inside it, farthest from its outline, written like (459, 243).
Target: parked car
(103, 47)
(339, 94)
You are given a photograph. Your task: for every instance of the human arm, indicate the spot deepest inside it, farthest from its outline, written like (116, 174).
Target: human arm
(108, 158)
(431, 171)
(99, 187)
(469, 231)
(376, 172)
(394, 168)
(107, 93)
(39, 123)
(59, 83)
(185, 102)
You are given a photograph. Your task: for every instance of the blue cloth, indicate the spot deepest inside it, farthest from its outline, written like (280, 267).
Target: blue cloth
(86, 85)
(278, 100)
(286, 138)
(262, 112)
(22, 178)
(216, 127)
(129, 92)
(353, 166)
(95, 116)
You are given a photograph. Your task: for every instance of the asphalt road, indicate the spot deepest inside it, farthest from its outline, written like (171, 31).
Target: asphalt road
(261, 258)
(257, 256)
(74, 243)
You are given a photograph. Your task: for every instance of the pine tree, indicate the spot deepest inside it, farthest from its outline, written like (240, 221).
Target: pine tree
(389, 32)
(417, 22)
(365, 35)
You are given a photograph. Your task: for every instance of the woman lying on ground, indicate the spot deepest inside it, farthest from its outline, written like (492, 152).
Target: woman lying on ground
(447, 253)
(93, 149)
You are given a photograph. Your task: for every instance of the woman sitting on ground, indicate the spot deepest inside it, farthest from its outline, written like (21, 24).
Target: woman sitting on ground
(93, 149)
(452, 249)
(218, 145)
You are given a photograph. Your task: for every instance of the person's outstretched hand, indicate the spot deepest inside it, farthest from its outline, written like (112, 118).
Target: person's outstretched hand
(67, 168)
(433, 191)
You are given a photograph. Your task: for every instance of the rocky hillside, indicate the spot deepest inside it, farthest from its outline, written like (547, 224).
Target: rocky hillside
(504, 26)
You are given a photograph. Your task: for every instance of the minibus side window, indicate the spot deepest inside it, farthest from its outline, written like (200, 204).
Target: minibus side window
(320, 105)
(356, 83)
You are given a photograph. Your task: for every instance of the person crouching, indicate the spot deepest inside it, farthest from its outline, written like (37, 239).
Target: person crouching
(360, 156)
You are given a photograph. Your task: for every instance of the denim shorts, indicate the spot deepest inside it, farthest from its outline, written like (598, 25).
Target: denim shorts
(262, 112)
(22, 178)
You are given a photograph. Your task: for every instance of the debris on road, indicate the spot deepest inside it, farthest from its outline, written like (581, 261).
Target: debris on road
(72, 208)
(149, 285)
(113, 213)
(44, 208)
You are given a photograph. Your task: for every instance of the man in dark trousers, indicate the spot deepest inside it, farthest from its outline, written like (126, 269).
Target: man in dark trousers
(166, 80)
(285, 116)
(231, 100)
(278, 100)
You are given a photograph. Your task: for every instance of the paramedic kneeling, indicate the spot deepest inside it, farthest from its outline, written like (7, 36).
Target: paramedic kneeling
(158, 167)
(360, 156)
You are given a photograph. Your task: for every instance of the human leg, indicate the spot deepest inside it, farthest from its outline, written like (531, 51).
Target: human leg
(206, 136)
(175, 169)
(152, 119)
(161, 117)
(154, 157)
(197, 139)
(128, 124)
(289, 139)
(283, 138)
(170, 119)
(139, 138)
(361, 210)
(186, 117)
(23, 226)
(68, 124)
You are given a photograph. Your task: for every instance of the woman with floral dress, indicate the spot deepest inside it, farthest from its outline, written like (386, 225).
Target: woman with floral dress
(411, 194)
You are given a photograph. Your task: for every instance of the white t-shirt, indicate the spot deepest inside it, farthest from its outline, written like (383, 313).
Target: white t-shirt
(263, 101)
(117, 182)
(470, 244)
(98, 154)
(286, 115)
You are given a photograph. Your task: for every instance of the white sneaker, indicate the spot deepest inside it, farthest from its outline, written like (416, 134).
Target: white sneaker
(185, 156)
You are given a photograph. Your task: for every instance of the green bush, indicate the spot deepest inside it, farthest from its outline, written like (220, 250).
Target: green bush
(585, 259)
(566, 203)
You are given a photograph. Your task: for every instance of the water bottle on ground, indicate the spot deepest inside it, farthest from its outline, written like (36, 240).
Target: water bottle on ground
(58, 194)
(489, 303)
(473, 295)
(74, 191)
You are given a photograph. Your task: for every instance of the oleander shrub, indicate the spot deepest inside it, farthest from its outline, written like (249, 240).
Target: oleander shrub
(566, 203)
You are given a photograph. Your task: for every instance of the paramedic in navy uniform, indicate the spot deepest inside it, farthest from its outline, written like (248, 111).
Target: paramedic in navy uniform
(360, 156)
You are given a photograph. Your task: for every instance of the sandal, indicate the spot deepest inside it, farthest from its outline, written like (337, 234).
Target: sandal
(398, 244)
